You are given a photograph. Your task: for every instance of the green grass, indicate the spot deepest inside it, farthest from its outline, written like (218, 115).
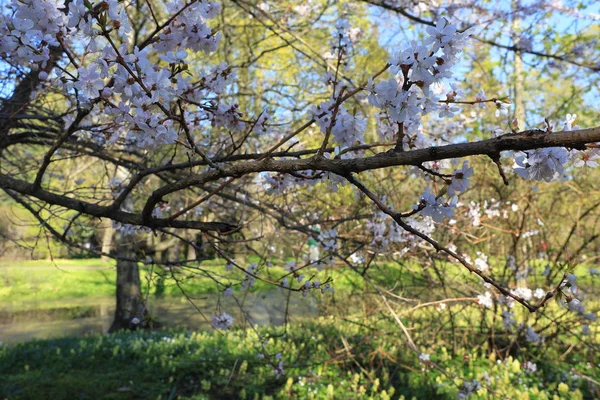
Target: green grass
(56, 263)
(324, 359)
(350, 357)
(55, 279)
(43, 284)
(38, 285)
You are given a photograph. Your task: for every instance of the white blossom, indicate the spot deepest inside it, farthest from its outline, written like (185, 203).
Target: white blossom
(541, 164)
(441, 34)
(481, 262)
(89, 83)
(576, 306)
(486, 300)
(460, 180)
(539, 293)
(569, 121)
(529, 367)
(585, 158)
(222, 321)
(435, 207)
(501, 108)
(523, 292)
(531, 336)
(328, 239)
(469, 387)
(448, 111)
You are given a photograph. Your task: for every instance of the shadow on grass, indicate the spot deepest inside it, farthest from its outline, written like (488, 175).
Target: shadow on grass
(133, 365)
(169, 365)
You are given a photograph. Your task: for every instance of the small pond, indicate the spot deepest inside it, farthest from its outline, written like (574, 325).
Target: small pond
(94, 315)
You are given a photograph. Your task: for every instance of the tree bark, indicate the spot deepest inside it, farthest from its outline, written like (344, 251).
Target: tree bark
(130, 303)
(131, 310)
(519, 76)
(107, 240)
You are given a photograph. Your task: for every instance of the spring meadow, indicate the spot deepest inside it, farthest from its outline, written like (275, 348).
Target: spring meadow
(318, 199)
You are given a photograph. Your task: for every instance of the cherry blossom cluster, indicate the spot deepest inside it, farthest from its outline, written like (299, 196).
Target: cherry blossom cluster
(250, 279)
(128, 229)
(189, 29)
(316, 285)
(573, 298)
(542, 164)
(221, 321)
(346, 129)
(333, 119)
(132, 94)
(436, 207)
(387, 233)
(439, 208)
(409, 95)
(29, 29)
(343, 39)
(492, 209)
(327, 238)
(468, 388)
(307, 285)
(277, 183)
(550, 164)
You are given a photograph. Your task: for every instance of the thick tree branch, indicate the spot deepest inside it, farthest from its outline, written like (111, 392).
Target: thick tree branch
(527, 140)
(95, 210)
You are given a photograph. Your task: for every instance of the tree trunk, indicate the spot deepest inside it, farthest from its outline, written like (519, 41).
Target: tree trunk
(130, 304)
(519, 75)
(131, 310)
(107, 240)
(191, 252)
(518, 98)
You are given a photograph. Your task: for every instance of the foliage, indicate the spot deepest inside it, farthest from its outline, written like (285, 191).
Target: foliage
(325, 359)
(355, 353)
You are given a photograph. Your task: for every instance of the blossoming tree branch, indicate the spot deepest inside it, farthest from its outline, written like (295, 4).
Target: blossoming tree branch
(146, 98)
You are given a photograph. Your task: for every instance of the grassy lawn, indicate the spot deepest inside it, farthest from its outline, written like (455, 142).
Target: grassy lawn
(40, 284)
(324, 359)
(43, 284)
(344, 357)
